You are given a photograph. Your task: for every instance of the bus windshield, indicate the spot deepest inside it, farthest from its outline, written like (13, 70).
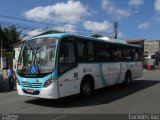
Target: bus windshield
(37, 57)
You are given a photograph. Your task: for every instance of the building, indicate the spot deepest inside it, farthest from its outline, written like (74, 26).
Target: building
(151, 47)
(151, 51)
(137, 42)
(16, 50)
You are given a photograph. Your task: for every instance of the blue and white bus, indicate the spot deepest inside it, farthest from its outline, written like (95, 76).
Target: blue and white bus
(57, 65)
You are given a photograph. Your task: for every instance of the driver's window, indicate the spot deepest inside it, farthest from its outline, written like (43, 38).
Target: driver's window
(66, 56)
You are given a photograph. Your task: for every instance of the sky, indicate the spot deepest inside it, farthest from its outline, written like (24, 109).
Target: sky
(137, 19)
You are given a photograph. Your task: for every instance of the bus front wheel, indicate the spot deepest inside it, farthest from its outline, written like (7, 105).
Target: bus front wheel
(87, 88)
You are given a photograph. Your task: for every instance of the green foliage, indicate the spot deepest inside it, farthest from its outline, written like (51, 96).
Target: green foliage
(10, 36)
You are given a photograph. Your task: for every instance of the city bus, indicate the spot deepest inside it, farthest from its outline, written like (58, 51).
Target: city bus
(56, 65)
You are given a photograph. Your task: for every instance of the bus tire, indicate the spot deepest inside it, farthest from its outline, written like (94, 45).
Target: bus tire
(87, 87)
(128, 79)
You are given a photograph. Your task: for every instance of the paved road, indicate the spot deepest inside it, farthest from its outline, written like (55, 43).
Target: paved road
(143, 96)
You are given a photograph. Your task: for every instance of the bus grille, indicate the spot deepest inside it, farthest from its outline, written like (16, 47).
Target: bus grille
(31, 85)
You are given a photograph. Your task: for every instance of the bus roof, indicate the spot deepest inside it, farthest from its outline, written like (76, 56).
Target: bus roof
(62, 35)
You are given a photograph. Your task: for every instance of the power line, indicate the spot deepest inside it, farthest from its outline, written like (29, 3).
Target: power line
(20, 26)
(21, 19)
(40, 23)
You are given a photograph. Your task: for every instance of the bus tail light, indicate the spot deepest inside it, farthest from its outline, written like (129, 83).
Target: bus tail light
(48, 82)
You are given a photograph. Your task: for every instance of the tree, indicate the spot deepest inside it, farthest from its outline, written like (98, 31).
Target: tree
(9, 35)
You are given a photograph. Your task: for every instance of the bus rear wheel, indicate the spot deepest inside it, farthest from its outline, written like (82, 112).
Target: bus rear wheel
(128, 79)
(87, 88)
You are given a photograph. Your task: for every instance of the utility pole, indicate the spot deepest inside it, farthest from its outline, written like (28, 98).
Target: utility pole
(115, 30)
(116, 25)
(1, 49)
(1, 54)
(46, 29)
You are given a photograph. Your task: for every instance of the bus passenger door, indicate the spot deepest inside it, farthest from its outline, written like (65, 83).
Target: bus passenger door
(68, 73)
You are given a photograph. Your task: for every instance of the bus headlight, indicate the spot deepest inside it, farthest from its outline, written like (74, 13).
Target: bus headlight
(48, 82)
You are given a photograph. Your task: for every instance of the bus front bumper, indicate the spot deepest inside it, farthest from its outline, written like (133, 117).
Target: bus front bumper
(51, 92)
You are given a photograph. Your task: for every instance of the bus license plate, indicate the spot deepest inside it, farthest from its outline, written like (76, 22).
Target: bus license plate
(29, 91)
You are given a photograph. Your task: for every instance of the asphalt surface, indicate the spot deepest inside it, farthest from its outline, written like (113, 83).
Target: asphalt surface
(142, 97)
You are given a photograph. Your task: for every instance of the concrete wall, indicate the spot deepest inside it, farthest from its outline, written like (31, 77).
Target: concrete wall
(152, 46)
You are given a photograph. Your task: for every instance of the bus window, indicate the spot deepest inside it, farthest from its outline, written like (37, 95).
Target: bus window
(91, 51)
(103, 53)
(82, 51)
(116, 53)
(66, 56)
(141, 57)
(127, 54)
(135, 54)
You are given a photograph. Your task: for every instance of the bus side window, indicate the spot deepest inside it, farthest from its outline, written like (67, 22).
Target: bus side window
(91, 51)
(116, 53)
(66, 56)
(82, 50)
(135, 54)
(127, 53)
(102, 52)
(140, 52)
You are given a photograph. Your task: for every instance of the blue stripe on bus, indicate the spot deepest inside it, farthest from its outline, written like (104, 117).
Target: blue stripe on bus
(103, 80)
(119, 76)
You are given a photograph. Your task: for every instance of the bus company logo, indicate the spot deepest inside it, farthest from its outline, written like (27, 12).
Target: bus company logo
(37, 80)
(29, 84)
(84, 70)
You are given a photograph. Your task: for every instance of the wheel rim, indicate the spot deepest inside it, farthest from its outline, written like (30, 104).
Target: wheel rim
(86, 89)
(128, 79)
